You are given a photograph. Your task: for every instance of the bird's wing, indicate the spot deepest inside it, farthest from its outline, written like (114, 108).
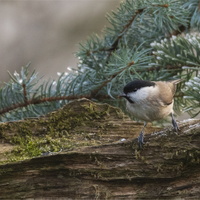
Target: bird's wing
(175, 81)
(166, 92)
(172, 85)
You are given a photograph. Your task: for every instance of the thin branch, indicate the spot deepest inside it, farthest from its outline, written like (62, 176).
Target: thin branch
(69, 98)
(125, 28)
(25, 93)
(123, 31)
(150, 69)
(115, 44)
(107, 81)
(159, 5)
(49, 99)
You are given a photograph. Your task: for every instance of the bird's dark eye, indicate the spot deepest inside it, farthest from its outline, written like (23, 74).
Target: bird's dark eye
(135, 89)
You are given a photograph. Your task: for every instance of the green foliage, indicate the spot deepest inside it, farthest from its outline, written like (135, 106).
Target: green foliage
(193, 7)
(27, 94)
(191, 92)
(138, 44)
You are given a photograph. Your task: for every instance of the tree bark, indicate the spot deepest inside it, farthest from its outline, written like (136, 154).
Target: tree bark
(167, 166)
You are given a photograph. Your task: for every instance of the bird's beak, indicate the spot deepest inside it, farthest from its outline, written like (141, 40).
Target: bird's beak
(122, 95)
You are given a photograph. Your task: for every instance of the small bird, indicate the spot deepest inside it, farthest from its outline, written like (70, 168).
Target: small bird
(150, 101)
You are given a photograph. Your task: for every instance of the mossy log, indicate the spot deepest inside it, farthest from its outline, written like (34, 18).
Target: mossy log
(89, 151)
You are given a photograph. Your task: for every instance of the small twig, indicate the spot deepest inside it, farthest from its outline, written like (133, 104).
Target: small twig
(49, 99)
(123, 31)
(111, 78)
(115, 44)
(69, 98)
(25, 94)
(150, 69)
(159, 5)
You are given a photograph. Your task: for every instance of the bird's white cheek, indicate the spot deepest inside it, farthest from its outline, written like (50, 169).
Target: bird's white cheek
(140, 94)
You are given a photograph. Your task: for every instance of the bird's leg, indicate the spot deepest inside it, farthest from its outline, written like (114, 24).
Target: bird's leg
(141, 136)
(174, 123)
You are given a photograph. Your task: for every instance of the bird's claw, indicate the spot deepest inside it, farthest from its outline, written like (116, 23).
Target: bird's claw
(175, 125)
(140, 140)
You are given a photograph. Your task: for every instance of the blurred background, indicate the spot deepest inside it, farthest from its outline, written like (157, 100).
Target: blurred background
(47, 33)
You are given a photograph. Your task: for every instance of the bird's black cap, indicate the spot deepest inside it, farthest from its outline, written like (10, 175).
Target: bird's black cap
(137, 84)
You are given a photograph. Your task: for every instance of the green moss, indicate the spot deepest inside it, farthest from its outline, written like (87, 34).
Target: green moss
(61, 130)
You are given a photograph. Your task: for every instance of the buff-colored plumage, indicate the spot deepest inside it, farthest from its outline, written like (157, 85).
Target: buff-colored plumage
(154, 102)
(167, 90)
(150, 101)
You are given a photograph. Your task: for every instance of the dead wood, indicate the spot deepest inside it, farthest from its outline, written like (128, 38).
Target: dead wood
(108, 167)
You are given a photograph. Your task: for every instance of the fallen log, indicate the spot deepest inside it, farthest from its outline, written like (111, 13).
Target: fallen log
(93, 154)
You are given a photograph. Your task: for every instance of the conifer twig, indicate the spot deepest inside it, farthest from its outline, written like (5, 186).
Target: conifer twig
(115, 44)
(49, 99)
(150, 69)
(123, 31)
(112, 77)
(25, 93)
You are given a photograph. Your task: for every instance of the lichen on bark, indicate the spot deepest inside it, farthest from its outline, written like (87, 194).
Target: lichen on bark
(83, 124)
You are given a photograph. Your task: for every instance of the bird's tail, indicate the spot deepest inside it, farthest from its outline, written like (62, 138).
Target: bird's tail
(175, 81)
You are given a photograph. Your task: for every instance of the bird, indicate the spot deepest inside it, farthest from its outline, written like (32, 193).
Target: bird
(150, 101)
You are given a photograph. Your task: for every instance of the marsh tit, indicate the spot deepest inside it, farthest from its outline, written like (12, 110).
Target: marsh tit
(150, 101)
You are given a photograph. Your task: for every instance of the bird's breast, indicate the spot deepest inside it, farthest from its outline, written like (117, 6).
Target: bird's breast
(149, 112)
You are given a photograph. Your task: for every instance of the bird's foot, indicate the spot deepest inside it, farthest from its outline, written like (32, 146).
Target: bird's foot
(140, 140)
(175, 125)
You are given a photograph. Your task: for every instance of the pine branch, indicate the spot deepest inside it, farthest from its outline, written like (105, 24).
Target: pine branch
(192, 96)
(125, 28)
(36, 101)
(42, 100)
(115, 44)
(193, 7)
(49, 99)
(112, 77)
(107, 65)
(24, 91)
